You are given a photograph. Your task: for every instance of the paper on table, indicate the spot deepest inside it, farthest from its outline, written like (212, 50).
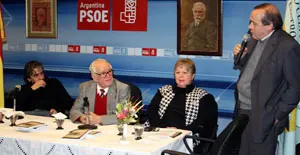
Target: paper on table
(59, 116)
(166, 133)
(5, 109)
(7, 112)
(163, 134)
(93, 134)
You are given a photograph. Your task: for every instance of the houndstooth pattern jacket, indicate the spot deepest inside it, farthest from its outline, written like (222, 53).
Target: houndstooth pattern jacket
(200, 111)
(192, 103)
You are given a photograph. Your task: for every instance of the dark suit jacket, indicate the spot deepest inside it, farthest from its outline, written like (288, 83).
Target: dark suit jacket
(275, 86)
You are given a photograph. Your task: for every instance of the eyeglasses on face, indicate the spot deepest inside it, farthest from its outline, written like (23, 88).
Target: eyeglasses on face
(105, 74)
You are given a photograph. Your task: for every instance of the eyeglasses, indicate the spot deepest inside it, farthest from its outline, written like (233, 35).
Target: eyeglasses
(105, 74)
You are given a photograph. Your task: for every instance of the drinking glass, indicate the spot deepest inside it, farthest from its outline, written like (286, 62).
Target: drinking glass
(59, 123)
(120, 127)
(13, 118)
(138, 131)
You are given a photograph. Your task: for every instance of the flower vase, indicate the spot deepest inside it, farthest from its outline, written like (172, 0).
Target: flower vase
(125, 134)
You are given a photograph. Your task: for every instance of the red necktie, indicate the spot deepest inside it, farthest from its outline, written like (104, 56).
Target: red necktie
(102, 91)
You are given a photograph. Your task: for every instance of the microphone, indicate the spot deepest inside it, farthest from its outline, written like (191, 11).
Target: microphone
(18, 87)
(86, 102)
(14, 94)
(245, 40)
(86, 107)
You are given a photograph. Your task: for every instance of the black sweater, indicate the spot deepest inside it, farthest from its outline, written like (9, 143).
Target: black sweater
(175, 114)
(53, 96)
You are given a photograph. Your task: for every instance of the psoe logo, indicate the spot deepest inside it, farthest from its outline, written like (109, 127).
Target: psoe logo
(129, 14)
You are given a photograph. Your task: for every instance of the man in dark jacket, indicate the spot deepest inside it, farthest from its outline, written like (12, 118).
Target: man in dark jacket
(268, 88)
(41, 95)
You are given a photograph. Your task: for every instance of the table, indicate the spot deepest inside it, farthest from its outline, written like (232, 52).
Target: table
(50, 142)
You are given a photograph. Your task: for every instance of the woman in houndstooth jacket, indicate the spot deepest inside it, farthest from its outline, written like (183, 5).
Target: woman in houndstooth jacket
(183, 105)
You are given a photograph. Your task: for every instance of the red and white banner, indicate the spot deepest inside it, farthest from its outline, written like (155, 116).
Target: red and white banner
(74, 48)
(99, 49)
(93, 15)
(149, 52)
(130, 15)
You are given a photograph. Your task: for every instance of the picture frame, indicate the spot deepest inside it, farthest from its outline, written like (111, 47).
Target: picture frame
(41, 18)
(199, 27)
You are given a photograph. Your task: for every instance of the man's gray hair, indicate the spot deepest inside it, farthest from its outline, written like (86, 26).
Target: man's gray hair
(93, 65)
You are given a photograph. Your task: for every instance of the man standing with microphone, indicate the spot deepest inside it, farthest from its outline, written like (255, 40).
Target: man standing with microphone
(268, 88)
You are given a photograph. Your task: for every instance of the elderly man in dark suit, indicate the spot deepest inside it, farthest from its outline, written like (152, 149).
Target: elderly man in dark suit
(103, 92)
(268, 88)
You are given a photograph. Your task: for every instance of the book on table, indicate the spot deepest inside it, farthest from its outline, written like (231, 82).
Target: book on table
(76, 134)
(31, 126)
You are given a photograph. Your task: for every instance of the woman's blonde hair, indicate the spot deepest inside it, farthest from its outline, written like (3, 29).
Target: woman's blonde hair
(188, 63)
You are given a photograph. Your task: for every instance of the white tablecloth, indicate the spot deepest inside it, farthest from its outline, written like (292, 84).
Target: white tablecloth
(50, 142)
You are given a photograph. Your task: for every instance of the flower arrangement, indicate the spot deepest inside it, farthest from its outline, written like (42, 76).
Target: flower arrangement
(126, 112)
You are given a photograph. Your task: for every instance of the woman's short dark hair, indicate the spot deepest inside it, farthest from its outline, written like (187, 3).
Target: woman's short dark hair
(272, 15)
(29, 68)
(190, 65)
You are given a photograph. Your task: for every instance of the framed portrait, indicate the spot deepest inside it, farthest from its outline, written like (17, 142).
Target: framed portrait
(41, 18)
(199, 27)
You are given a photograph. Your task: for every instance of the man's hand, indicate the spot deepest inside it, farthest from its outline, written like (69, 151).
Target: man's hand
(237, 49)
(52, 111)
(38, 84)
(94, 118)
(82, 119)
